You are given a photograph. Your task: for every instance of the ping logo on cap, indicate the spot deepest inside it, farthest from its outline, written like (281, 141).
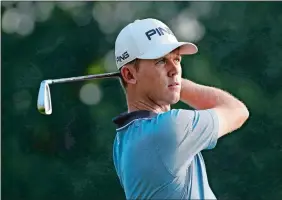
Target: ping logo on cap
(123, 57)
(158, 31)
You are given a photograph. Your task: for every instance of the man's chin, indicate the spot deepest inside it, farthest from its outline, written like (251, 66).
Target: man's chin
(174, 100)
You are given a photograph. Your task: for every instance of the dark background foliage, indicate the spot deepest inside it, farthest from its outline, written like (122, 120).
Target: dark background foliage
(68, 155)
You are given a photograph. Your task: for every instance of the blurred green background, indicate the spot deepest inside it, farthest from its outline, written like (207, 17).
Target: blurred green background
(68, 155)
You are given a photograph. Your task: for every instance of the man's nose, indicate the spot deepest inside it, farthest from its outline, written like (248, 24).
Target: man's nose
(174, 68)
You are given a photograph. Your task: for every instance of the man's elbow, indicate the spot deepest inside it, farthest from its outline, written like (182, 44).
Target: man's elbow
(232, 117)
(244, 114)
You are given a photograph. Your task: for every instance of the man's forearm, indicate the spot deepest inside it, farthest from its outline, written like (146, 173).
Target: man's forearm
(205, 97)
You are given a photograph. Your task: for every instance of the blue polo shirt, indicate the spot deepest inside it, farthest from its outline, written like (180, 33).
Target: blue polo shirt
(158, 156)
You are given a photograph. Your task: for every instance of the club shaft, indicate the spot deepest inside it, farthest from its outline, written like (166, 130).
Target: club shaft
(83, 78)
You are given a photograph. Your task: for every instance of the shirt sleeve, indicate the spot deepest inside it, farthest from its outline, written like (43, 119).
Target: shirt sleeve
(204, 128)
(185, 133)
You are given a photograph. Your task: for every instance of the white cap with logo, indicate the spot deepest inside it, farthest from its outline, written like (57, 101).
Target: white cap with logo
(148, 39)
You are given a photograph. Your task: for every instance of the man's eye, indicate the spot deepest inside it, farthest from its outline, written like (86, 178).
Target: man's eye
(178, 60)
(161, 62)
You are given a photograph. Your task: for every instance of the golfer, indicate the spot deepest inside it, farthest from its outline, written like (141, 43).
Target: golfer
(157, 150)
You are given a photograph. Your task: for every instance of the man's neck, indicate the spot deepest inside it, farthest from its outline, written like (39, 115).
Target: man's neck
(135, 106)
(135, 103)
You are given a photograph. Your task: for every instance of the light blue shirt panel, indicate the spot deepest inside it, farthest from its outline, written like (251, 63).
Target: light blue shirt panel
(159, 157)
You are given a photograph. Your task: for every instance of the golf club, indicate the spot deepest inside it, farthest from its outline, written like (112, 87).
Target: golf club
(44, 102)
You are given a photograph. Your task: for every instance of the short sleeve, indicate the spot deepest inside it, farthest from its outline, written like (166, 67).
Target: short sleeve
(204, 132)
(185, 133)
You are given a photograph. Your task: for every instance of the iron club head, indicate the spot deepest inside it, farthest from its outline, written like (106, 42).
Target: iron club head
(44, 104)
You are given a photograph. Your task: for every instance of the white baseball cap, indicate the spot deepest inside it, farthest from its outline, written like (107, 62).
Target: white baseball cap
(148, 39)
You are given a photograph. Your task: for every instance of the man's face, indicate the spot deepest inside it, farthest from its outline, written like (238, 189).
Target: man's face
(160, 79)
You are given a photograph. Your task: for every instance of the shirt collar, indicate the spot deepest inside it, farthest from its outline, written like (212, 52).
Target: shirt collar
(125, 118)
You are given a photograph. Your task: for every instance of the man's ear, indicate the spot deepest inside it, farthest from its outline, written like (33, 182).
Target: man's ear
(128, 74)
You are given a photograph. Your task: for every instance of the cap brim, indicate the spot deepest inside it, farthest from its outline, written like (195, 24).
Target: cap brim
(186, 48)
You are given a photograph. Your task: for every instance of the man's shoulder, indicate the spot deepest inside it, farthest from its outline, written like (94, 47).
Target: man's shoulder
(174, 119)
(177, 117)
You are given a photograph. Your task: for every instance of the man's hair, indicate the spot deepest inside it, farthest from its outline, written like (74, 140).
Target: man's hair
(135, 64)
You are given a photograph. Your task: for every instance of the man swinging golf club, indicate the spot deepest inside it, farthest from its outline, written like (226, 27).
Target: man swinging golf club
(157, 150)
